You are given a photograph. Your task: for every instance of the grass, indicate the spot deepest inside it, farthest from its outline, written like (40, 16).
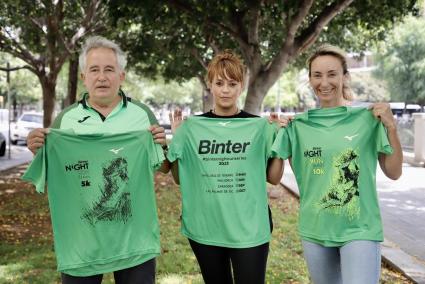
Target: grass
(26, 242)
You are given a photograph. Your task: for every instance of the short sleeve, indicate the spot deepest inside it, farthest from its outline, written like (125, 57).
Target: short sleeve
(37, 170)
(175, 150)
(382, 143)
(270, 133)
(158, 157)
(282, 146)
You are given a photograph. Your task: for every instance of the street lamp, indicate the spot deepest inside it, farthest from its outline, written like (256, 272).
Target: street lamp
(8, 107)
(8, 69)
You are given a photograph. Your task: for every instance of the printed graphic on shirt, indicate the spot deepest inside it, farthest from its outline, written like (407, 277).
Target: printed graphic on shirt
(314, 158)
(113, 204)
(222, 172)
(225, 182)
(350, 138)
(83, 119)
(82, 169)
(343, 194)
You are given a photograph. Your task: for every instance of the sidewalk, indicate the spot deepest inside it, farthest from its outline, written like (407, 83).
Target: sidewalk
(402, 205)
(19, 155)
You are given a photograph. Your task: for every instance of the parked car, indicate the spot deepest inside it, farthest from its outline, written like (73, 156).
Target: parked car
(167, 128)
(2, 145)
(25, 123)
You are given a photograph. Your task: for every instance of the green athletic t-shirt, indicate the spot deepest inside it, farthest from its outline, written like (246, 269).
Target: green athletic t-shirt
(222, 171)
(128, 115)
(101, 198)
(334, 154)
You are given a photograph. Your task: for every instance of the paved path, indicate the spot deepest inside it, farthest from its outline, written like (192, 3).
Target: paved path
(403, 209)
(403, 213)
(19, 155)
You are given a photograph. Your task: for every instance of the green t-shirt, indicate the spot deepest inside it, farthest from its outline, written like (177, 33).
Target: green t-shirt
(101, 198)
(128, 115)
(222, 170)
(334, 153)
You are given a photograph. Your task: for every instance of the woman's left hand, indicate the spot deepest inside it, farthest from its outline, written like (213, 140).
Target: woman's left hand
(382, 111)
(176, 119)
(281, 120)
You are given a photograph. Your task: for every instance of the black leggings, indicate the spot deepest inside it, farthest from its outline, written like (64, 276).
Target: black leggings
(140, 274)
(217, 263)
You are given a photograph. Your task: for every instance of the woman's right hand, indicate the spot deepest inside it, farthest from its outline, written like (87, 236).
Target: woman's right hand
(176, 119)
(281, 120)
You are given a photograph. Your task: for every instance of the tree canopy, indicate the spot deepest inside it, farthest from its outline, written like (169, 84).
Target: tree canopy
(24, 89)
(401, 61)
(44, 34)
(177, 38)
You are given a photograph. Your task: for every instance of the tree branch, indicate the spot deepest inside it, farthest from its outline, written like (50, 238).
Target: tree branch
(8, 44)
(37, 23)
(195, 54)
(282, 57)
(87, 24)
(312, 32)
(254, 23)
(295, 45)
(216, 49)
(17, 68)
(275, 67)
(202, 81)
(230, 29)
(297, 21)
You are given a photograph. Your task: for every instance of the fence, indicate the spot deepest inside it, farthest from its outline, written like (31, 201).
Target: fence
(405, 128)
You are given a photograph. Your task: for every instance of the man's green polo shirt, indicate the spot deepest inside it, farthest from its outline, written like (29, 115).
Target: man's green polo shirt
(127, 116)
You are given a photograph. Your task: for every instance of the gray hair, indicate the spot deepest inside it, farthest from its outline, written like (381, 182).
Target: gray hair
(98, 42)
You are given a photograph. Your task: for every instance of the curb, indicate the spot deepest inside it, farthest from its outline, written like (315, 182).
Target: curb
(18, 158)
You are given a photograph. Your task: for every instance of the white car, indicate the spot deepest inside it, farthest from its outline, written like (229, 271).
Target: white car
(26, 122)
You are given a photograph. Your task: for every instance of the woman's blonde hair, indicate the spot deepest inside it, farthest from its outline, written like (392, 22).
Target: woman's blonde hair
(338, 53)
(226, 64)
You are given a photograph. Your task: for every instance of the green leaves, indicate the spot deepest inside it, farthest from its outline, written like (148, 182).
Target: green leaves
(401, 61)
(176, 38)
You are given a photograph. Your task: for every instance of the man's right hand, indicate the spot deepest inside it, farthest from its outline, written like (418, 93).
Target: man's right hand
(35, 139)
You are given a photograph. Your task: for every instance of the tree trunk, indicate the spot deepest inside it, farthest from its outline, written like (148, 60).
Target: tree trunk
(49, 94)
(257, 91)
(254, 99)
(207, 100)
(14, 109)
(259, 85)
(72, 81)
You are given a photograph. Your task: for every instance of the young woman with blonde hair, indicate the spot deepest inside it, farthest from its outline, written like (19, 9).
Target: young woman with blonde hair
(340, 224)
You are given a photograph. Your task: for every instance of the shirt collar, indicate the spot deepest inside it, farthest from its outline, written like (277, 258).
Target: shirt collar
(323, 112)
(85, 97)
